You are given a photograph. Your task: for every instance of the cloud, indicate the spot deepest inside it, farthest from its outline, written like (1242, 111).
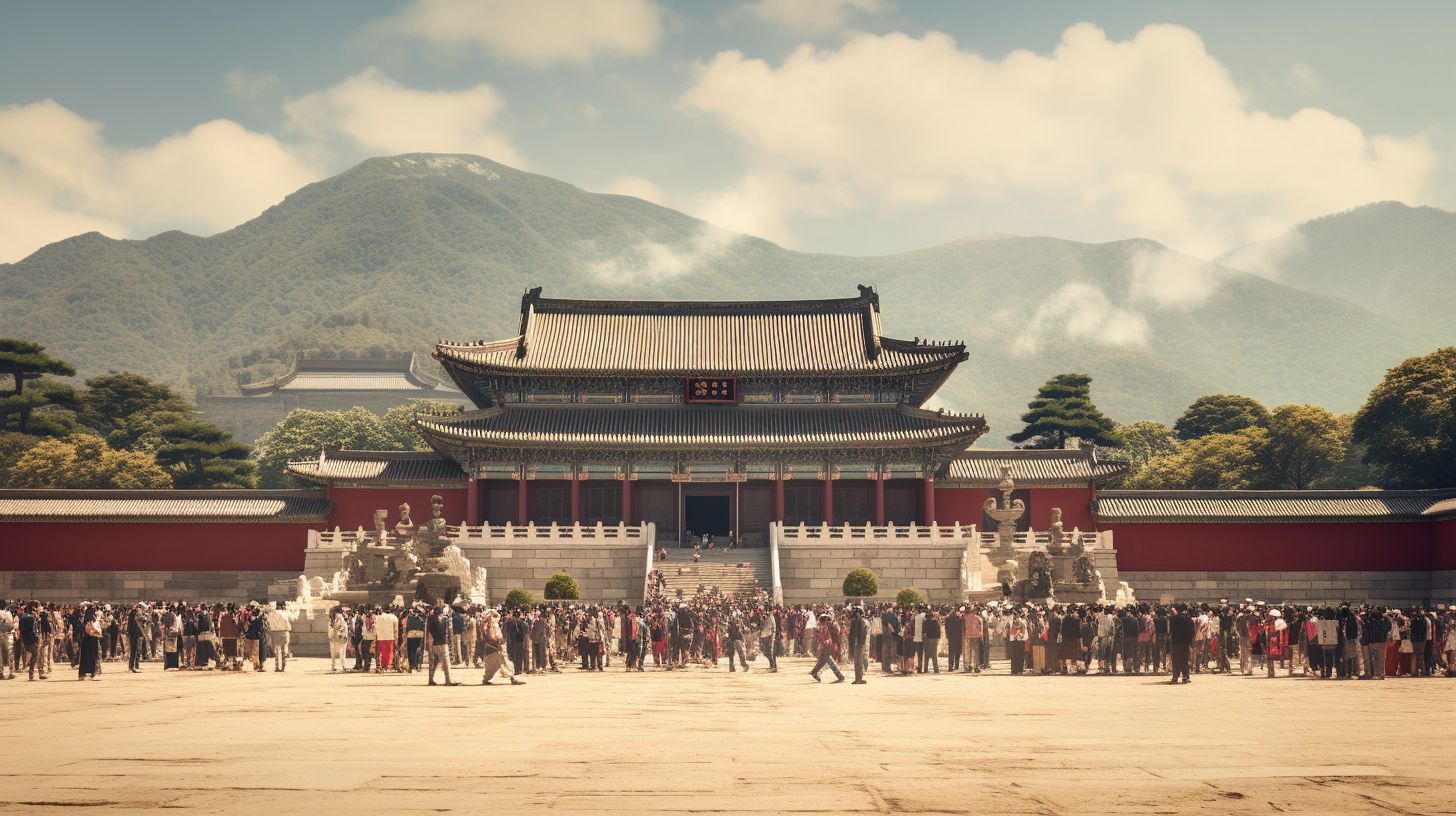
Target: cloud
(649, 262)
(1167, 279)
(1267, 258)
(1304, 76)
(58, 177)
(537, 33)
(812, 17)
(637, 187)
(1151, 130)
(381, 116)
(1081, 312)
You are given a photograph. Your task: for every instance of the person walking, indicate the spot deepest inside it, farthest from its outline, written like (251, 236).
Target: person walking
(494, 643)
(768, 639)
(280, 632)
(826, 639)
(438, 629)
(930, 640)
(386, 633)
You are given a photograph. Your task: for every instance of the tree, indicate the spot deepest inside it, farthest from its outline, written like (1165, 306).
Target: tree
(85, 461)
(199, 454)
(1351, 472)
(303, 432)
(1220, 414)
(518, 599)
(562, 587)
(861, 583)
(1063, 410)
(13, 445)
(909, 596)
(1214, 462)
(122, 406)
(399, 422)
(1408, 423)
(26, 362)
(1143, 441)
(1304, 444)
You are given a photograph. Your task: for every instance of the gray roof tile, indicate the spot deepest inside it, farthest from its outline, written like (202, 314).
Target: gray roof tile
(1266, 505)
(1032, 468)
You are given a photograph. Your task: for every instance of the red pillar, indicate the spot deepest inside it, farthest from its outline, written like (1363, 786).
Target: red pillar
(472, 501)
(778, 498)
(523, 503)
(627, 496)
(576, 498)
(928, 502)
(879, 500)
(826, 499)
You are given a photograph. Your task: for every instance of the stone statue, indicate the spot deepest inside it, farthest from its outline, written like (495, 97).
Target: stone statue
(406, 526)
(1085, 572)
(1038, 582)
(381, 518)
(1057, 525)
(1124, 594)
(1006, 514)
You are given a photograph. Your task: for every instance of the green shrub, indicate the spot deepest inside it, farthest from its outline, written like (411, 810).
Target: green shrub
(518, 599)
(861, 583)
(562, 587)
(909, 596)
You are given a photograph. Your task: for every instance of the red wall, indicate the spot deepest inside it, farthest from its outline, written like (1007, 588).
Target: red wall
(211, 546)
(964, 504)
(354, 506)
(1443, 545)
(1273, 547)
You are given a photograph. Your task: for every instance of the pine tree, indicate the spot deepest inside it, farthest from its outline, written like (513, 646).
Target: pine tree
(24, 361)
(1063, 411)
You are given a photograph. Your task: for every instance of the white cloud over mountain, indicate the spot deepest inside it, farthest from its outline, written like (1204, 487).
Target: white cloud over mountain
(1152, 130)
(538, 33)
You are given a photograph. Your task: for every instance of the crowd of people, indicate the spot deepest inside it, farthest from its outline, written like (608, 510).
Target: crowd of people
(1348, 641)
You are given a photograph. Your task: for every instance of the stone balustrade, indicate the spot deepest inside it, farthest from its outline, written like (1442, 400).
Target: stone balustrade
(889, 535)
(495, 535)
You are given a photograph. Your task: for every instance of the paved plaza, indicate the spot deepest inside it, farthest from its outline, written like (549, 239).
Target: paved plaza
(709, 741)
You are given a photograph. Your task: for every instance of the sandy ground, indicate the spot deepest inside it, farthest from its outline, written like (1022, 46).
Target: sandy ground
(708, 741)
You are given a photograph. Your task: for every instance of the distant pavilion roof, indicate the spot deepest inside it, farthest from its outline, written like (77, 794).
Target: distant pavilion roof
(694, 427)
(164, 505)
(1032, 468)
(701, 337)
(1271, 505)
(398, 372)
(378, 467)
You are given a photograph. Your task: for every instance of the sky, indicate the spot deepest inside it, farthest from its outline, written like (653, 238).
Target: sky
(843, 126)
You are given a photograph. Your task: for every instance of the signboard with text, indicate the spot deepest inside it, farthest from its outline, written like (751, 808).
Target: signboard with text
(710, 389)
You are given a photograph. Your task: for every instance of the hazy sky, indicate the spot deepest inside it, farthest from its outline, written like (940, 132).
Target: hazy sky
(850, 126)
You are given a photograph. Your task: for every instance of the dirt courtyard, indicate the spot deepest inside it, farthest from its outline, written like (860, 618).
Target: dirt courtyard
(309, 742)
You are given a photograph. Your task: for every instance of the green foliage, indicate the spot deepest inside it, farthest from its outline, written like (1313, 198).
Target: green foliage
(861, 583)
(1213, 462)
(909, 596)
(562, 587)
(123, 407)
(1063, 410)
(23, 361)
(303, 433)
(85, 461)
(1304, 444)
(1220, 414)
(398, 422)
(1408, 424)
(1140, 442)
(518, 599)
(13, 445)
(200, 454)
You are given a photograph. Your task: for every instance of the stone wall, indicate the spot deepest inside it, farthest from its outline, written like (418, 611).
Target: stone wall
(814, 572)
(605, 572)
(1402, 587)
(79, 585)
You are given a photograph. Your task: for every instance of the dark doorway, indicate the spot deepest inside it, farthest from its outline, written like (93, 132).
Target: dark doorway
(707, 514)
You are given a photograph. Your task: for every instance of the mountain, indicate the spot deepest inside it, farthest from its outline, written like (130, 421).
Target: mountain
(1394, 260)
(400, 251)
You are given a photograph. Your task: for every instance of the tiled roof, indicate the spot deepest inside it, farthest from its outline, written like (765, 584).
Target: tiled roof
(726, 337)
(686, 427)
(1032, 468)
(398, 372)
(163, 505)
(1267, 505)
(1442, 508)
(378, 466)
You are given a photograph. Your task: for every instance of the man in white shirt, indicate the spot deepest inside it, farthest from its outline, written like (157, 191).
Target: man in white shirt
(7, 641)
(386, 632)
(920, 641)
(280, 627)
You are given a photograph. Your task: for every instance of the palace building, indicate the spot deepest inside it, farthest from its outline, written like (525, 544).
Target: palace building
(605, 429)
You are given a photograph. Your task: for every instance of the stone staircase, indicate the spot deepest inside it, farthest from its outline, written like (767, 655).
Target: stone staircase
(731, 571)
